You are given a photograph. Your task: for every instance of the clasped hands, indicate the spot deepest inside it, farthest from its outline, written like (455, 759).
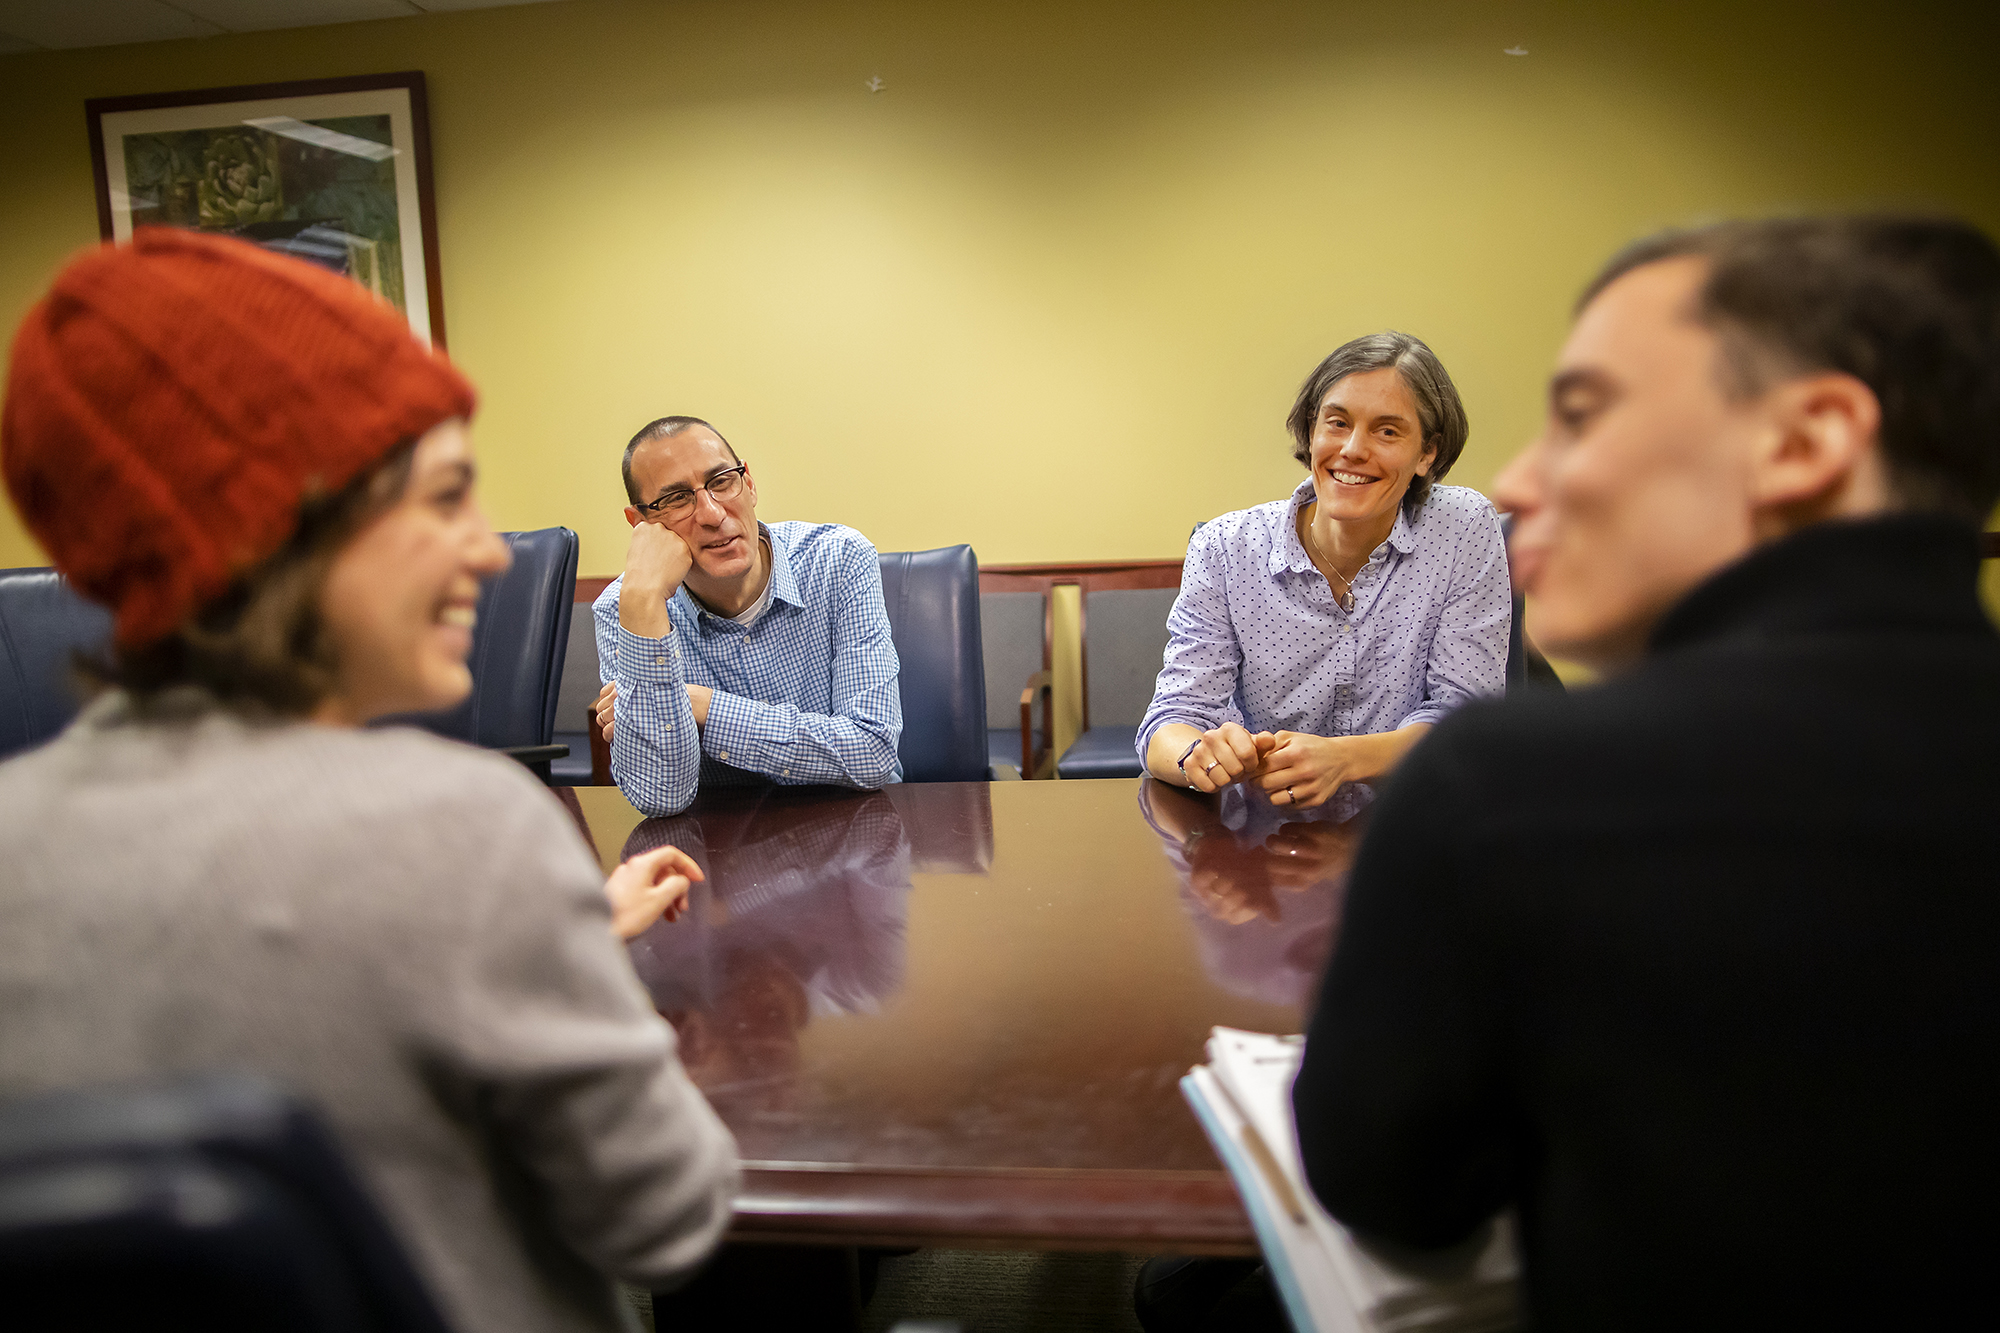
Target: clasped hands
(1294, 768)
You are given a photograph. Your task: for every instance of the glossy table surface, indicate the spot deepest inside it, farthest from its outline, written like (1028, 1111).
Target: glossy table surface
(957, 1013)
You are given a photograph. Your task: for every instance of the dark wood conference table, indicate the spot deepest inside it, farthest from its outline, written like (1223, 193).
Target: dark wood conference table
(957, 1013)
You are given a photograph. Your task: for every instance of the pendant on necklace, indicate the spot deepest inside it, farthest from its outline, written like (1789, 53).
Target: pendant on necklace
(1345, 599)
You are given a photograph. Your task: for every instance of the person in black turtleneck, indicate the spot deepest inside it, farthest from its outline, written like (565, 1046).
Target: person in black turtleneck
(1698, 969)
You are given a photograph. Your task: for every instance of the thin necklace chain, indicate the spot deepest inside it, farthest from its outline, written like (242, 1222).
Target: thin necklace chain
(1346, 599)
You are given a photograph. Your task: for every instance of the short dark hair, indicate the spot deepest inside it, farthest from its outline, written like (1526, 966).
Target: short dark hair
(261, 646)
(1440, 414)
(660, 430)
(1910, 306)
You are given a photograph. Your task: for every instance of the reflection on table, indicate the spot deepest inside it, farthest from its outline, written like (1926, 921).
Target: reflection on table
(1263, 883)
(803, 915)
(957, 1013)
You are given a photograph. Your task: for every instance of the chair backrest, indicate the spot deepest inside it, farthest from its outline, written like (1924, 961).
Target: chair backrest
(580, 685)
(1125, 635)
(518, 646)
(1013, 629)
(933, 601)
(43, 624)
(217, 1202)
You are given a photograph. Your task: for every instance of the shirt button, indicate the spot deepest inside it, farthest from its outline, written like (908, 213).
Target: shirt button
(724, 756)
(659, 661)
(784, 772)
(667, 727)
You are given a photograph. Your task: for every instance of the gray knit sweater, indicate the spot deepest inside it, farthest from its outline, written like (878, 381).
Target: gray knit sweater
(406, 930)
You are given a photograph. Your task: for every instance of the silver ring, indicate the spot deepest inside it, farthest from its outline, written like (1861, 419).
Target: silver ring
(1211, 765)
(1289, 792)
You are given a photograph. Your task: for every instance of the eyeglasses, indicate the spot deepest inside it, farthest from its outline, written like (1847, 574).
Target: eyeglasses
(678, 503)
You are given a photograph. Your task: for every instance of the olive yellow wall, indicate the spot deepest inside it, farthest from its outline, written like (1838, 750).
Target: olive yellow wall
(1051, 290)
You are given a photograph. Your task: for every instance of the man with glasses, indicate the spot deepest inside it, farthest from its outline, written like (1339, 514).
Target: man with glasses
(733, 651)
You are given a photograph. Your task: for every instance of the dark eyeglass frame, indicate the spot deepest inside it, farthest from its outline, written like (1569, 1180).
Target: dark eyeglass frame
(686, 495)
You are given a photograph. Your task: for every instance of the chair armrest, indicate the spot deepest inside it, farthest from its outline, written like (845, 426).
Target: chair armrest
(600, 752)
(535, 754)
(1038, 684)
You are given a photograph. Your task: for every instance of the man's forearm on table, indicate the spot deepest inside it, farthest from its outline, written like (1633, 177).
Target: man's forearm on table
(789, 744)
(655, 744)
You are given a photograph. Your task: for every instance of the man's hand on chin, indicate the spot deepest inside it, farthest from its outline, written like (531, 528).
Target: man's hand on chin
(698, 697)
(655, 563)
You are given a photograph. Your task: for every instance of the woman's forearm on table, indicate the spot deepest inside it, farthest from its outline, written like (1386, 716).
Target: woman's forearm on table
(1167, 745)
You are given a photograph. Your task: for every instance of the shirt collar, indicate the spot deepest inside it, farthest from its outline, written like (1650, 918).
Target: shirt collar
(1289, 554)
(1403, 537)
(783, 587)
(784, 582)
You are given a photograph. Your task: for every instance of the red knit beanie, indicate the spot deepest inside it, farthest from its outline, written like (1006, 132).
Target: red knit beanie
(171, 401)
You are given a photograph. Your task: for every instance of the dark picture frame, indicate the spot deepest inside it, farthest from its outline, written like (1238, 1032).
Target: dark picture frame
(337, 171)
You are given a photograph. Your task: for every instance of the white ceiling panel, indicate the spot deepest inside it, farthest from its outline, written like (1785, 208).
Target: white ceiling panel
(260, 15)
(56, 24)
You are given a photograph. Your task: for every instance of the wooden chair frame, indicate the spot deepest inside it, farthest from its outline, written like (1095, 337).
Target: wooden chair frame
(1087, 577)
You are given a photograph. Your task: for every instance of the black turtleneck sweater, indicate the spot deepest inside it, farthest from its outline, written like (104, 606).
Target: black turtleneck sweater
(1698, 969)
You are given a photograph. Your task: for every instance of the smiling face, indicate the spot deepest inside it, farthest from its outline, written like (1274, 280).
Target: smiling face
(721, 533)
(1641, 484)
(399, 599)
(1367, 444)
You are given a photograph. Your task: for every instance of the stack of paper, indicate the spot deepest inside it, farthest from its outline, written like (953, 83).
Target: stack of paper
(1329, 1282)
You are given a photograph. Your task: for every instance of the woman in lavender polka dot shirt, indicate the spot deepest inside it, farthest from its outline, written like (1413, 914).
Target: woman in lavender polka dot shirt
(1316, 638)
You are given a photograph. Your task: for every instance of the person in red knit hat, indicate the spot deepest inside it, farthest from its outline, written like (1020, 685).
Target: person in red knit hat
(270, 483)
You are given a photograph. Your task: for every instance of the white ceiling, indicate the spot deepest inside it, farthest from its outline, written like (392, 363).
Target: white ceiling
(51, 25)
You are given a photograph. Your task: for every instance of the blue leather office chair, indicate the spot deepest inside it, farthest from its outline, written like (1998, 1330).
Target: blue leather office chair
(933, 600)
(518, 647)
(217, 1202)
(44, 623)
(575, 694)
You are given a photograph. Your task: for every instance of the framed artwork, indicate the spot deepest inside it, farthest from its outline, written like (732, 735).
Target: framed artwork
(335, 171)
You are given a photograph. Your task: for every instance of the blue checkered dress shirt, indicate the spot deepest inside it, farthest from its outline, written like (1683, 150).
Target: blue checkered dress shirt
(807, 693)
(1256, 637)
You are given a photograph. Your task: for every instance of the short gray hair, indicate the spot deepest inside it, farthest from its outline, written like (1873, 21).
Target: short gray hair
(664, 428)
(1440, 414)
